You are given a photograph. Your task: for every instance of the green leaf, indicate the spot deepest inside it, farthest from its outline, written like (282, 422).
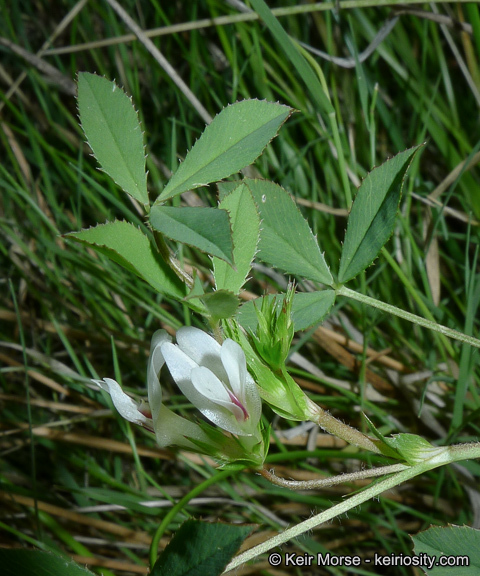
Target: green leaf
(460, 541)
(200, 548)
(113, 132)
(307, 309)
(312, 308)
(37, 563)
(245, 223)
(128, 246)
(233, 140)
(372, 218)
(286, 240)
(207, 229)
(221, 303)
(226, 187)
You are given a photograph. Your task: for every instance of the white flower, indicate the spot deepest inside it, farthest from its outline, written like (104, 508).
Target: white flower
(169, 428)
(145, 414)
(215, 379)
(127, 408)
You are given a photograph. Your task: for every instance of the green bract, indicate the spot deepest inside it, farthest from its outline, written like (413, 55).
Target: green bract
(278, 389)
(273, 336)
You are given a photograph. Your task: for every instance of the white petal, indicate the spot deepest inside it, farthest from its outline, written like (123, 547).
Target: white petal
(201, 348)
(155, 363)
(235, 364)
(212, 389)
(218, 408)
(253, 402)
(181, 368)
(179, 364)
(243, 385)
(126, 407)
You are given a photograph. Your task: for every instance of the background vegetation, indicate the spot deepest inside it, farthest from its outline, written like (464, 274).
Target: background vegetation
(78, 479)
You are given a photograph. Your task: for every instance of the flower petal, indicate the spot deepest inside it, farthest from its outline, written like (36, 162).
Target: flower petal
(235, 364)
(155, 363)
(195, 346)
(212, 389)
(181, 367)
(243, 385)
(201, 348)
(179, 364)
(126, 407)
(253, 402)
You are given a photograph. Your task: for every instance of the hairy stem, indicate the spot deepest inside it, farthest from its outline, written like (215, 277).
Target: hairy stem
(334, 480)
(452, 454)
(341, 430)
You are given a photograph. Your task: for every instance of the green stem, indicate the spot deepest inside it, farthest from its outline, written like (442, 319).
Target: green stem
(454, 334)
(337, 428)
(178, 506)
(171, 261)
(332, 481)
(453, 454)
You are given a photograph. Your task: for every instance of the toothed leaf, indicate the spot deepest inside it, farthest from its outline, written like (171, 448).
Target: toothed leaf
(233, 140)
(372, 218)
(113, 132)
(245, 223)
(286, 240)
(200, 548)
(458, 545)
(127, 245)
(207, 229)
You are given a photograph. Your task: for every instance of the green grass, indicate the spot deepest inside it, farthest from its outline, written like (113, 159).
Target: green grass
(68, 315)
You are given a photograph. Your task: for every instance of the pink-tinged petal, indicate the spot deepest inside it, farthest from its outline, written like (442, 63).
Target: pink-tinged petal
(155, 363)
(243, 385)
(212, 389)
(219, 409)
(235, 364)
(214, 402)
(126, 407)
(201, 348)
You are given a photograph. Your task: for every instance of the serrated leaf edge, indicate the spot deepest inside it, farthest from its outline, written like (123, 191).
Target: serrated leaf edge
(161, 199)
(100, 167)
